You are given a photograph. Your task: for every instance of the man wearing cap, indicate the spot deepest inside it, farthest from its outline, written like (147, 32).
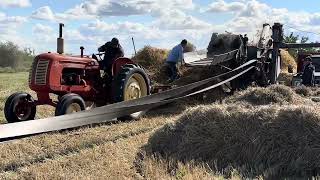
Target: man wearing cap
(308, 72)
(175, 56)
(113, 51)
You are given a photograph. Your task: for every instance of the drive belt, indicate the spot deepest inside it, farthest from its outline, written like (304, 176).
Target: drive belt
(108, 113)
(216, 59)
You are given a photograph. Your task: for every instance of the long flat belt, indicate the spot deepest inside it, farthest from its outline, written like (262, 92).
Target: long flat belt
(216, 59)
(108, 113)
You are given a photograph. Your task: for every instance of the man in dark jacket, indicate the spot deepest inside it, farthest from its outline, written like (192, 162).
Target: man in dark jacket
(113, 51)
(308, 73)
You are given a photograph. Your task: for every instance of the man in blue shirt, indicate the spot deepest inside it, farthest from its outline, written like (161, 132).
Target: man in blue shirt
(175, 56)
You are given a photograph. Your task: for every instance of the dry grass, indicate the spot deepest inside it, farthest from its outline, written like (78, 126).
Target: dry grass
(105, 152)
(10, 83)
(303, 91)
(111, 160)
(113, 151)
(189, 48)
(287, 60)
(267, 141)
(285, 79)
(18, 82)
(151, 58)
(39, 148)
(275, 94)
(155, 168)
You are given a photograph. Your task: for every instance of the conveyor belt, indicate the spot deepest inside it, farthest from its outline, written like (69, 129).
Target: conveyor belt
(110, 112)
(216, 59)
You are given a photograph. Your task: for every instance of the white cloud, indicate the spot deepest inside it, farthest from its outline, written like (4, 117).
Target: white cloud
(255, 8)
(222, 6)
(44, 34)
(177, 19)
(249, 16)
(9, 27)
(15, 3)
(167, 22)
(76, 13)
(98, 32)
(105, 8)
(42, 29)
(48, 34)
(10, 23)
(75, 36)
(43, 13)
(106, 30)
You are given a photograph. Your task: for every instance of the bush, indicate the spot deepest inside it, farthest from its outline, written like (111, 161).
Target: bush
(14, 58)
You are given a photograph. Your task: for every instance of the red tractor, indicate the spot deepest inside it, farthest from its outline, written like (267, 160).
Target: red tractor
(79, 84)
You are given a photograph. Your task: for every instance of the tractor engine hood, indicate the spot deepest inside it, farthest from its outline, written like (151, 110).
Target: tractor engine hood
(68, 59)
(47, 70)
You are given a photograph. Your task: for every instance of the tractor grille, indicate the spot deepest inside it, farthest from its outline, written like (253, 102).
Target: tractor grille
(31, 71)
(41, 72)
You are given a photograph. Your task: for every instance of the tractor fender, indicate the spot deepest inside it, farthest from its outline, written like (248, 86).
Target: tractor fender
(118, 64)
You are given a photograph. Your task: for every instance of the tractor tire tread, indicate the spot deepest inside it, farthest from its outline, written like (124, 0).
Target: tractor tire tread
(67, 100)
(119, 83)
(8, 109)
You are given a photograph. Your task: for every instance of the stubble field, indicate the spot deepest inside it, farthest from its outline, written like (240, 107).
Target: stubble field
(262, 133)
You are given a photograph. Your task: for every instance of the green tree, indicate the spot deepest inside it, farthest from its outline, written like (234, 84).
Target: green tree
(304, 40)
(291, 38)
(13, 57)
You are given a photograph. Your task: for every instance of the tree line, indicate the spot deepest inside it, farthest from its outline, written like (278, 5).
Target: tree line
(291, 38)
(12, 58)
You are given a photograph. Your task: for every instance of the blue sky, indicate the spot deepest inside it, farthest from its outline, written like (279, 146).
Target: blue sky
(159, 23)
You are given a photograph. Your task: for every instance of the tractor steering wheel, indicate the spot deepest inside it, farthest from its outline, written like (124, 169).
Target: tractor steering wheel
(99, 59)
(95, 56)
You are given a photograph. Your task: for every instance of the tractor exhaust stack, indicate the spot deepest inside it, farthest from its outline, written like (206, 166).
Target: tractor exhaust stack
(81, 48)
(60, 40)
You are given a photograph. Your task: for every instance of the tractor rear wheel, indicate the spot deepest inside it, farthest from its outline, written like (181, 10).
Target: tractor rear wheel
(19, 107)
(131, 83)
(70, 103)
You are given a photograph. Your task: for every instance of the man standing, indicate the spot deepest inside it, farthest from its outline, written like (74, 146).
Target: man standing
(175, 56)
(113, 51)
(308, 72)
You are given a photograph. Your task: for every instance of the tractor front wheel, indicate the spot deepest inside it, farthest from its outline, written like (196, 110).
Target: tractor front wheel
(131, 83)
(70, 103)
(20, 107)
